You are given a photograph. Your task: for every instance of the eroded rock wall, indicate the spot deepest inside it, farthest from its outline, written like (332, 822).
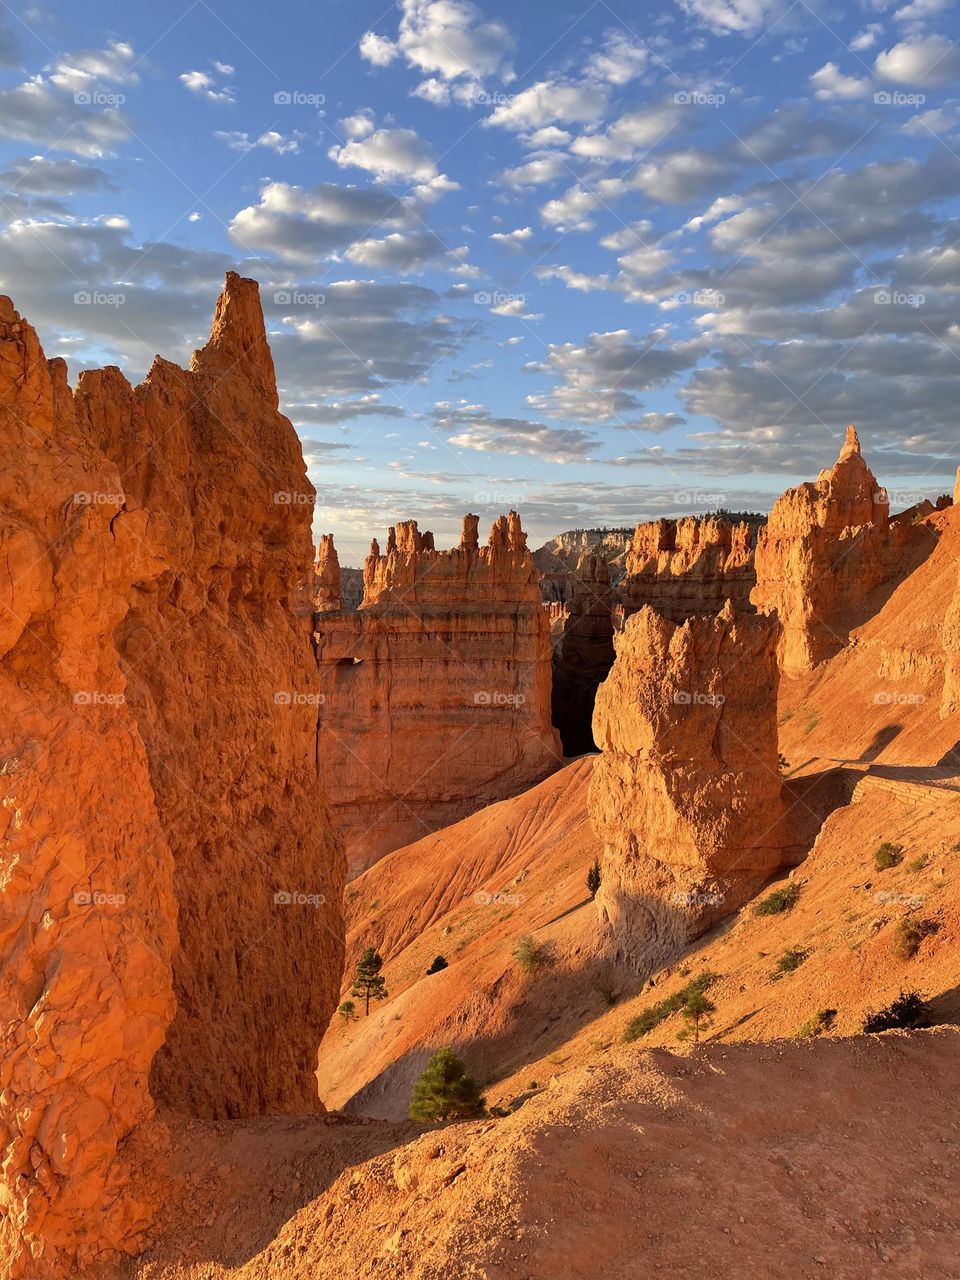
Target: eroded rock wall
(685, 795)
(436, 691)
(828, 551)
(689, 566)
(223, 684)
(87, 907)
(582, 638)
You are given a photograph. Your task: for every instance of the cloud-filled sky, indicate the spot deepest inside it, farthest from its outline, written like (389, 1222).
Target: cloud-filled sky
(598, 261)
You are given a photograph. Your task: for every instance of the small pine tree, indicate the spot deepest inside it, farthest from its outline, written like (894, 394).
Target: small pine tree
(347, 1011)
(368, 982)
(445, 1091)
(697, 1010)
(593, 879)
(439, 962)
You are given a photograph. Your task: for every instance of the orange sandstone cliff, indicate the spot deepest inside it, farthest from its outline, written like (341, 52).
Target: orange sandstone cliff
(689, 566)
(171, 890)
(685, 796)
(436, 691)
(582, 638)
(829, 550)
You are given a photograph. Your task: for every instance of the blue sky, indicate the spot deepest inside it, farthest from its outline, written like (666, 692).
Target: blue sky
(599, 262)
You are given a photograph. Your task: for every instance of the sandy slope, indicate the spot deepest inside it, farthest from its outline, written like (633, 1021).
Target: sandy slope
(784, 1160)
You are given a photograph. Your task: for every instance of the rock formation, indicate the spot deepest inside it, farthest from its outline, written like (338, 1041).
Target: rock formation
(827, 547)
(224, 687)
(950, 700)
(326, 587)
(159, 758)
(582, 639)
(87, 910)
(689, 566)
(436, 691)
(685, 796)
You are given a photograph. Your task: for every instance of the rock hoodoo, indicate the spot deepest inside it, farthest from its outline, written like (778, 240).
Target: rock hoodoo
(326, 587)
(826, 549)
(436, 691)
(170, 897)
(685, 796)
(689, 566)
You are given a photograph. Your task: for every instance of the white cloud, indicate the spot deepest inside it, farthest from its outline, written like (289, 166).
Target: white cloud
(270, 141)
(830, 83)
(473, 426)
(867, 38)
(735, 17)
(537, 170)
(391, 154)
(358, 125)
(683, 175)
(572, 210)
(77, 72)
(304, 224)
(45, 176)
(550, 136)
(621, 59)
(37, 113)
(927, 62)
(550, 102)
(937, 121)
(513, 239)
(204, 85)
(398, 251)
(449, 39)
(634, 131)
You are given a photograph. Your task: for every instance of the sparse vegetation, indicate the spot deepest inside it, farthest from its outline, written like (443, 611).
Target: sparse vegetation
(908, 934)
(778, 901)
(439, 962)
(445, 1091)
(645, 1022)
(529, 955)
(348, 1011)
(790, 959)
(593, 879)
(782, 762)
(368, 983)
(816, 1025)
(919, 864)
(696, 1011)
(888, 855)
(905, 1013)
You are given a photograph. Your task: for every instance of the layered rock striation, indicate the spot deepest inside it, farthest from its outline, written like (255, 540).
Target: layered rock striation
(436, 691)
(170, 921)
(828, 553)
(689, 566)
(685, 795)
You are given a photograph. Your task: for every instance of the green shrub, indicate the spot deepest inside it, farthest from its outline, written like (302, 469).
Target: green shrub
(646, 1021)
(779, 901)
(821, 1021)
(919, 864)
(888, 855)
(445, 1091)
(908, 934)
(528, 954)
(791, 959)
(905, 1013)
(593, 878)
(347, 1011)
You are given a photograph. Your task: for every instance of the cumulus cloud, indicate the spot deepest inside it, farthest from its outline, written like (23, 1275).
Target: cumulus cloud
(395, 155)
(549, 102)
(536, 170)
(830, 83)
(207, 86)
(44, 114)
(735, 17)
(446, 39)
(515, 239)
(398, 252)
(926, 62)
(474, 427)
(621, 59)
(635, 131)
(45, 176)
(304, 224)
